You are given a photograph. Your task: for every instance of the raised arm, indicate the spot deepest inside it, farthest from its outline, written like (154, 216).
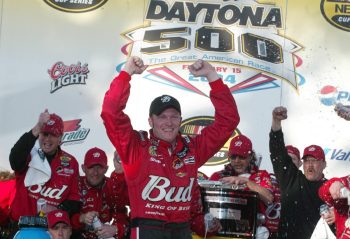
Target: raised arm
(214, 136)
(117, 123)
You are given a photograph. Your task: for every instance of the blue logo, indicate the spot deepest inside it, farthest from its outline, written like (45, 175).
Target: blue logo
(337, 154)
(329, 96)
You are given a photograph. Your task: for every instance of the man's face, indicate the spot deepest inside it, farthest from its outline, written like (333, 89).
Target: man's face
(60, 231)
(295, 160)
(166, 125)
(313, 168)
(240, 164)
(95, 174)
(49, 143)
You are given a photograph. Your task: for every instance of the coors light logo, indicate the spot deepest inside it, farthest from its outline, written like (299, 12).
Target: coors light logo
(63, 75)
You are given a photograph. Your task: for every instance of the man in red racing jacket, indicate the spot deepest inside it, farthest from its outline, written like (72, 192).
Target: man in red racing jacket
(330, 192)
(43, 170)
(98, 200)
(161, 169)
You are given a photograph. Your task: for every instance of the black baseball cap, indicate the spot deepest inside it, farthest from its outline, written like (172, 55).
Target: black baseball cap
(162, 103)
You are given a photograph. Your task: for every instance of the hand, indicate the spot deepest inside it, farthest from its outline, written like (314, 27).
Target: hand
(88, 217)
(343, 111)
(329, 217)
(203, 68)
(43, 118)
(334, 189)
(235, 180)
(215, 226)
(134, 65)
(278, 114)
(107, 231)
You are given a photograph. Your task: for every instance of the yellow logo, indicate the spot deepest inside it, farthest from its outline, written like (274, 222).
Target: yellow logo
(337, 13)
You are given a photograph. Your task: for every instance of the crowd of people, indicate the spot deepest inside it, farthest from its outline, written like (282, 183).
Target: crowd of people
(153, 190)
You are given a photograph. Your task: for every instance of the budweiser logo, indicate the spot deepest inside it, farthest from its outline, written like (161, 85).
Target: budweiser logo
(160, 189)
(48, 192)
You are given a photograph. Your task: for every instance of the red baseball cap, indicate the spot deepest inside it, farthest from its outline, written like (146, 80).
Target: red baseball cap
(293, 150)
(57, 216)
(95, 156)
(314, 151)
(240, 145)
(53, 126)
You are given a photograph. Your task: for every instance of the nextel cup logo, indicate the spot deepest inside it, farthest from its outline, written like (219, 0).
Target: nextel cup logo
(194, 126)
(329, 96)
(63, 75)
(75, 6)
(337, 13)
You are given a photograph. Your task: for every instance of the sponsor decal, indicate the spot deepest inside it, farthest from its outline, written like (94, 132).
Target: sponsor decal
(337, 13)
(154, 160)
(65, 159)
(159, 189)
(64, 75)
(48, 192)
(152, 150)
(189, 160)
(177, 164)
(337, 154)
(242, 38)
(59, 169)
(68, 171)
(181, 174)
(73, 132)
(75, 6)
(193, 126)
(330, 95)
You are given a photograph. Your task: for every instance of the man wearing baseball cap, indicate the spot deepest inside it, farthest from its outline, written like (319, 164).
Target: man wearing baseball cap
(59, 224)
(97, 194)
(300, 202)
(44, 170)
(242, 171)
(160, 167)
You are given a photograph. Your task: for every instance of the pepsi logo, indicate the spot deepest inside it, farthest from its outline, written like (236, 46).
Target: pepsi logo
(328, 95)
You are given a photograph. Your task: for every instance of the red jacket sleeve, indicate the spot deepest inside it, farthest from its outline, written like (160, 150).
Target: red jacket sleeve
(118, 124)
(226, 119)
(325, 195)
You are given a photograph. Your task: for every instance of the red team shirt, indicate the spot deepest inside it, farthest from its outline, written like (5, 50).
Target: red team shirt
(341, 207)
(62, 185)
(160, 184)
(102, 200)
